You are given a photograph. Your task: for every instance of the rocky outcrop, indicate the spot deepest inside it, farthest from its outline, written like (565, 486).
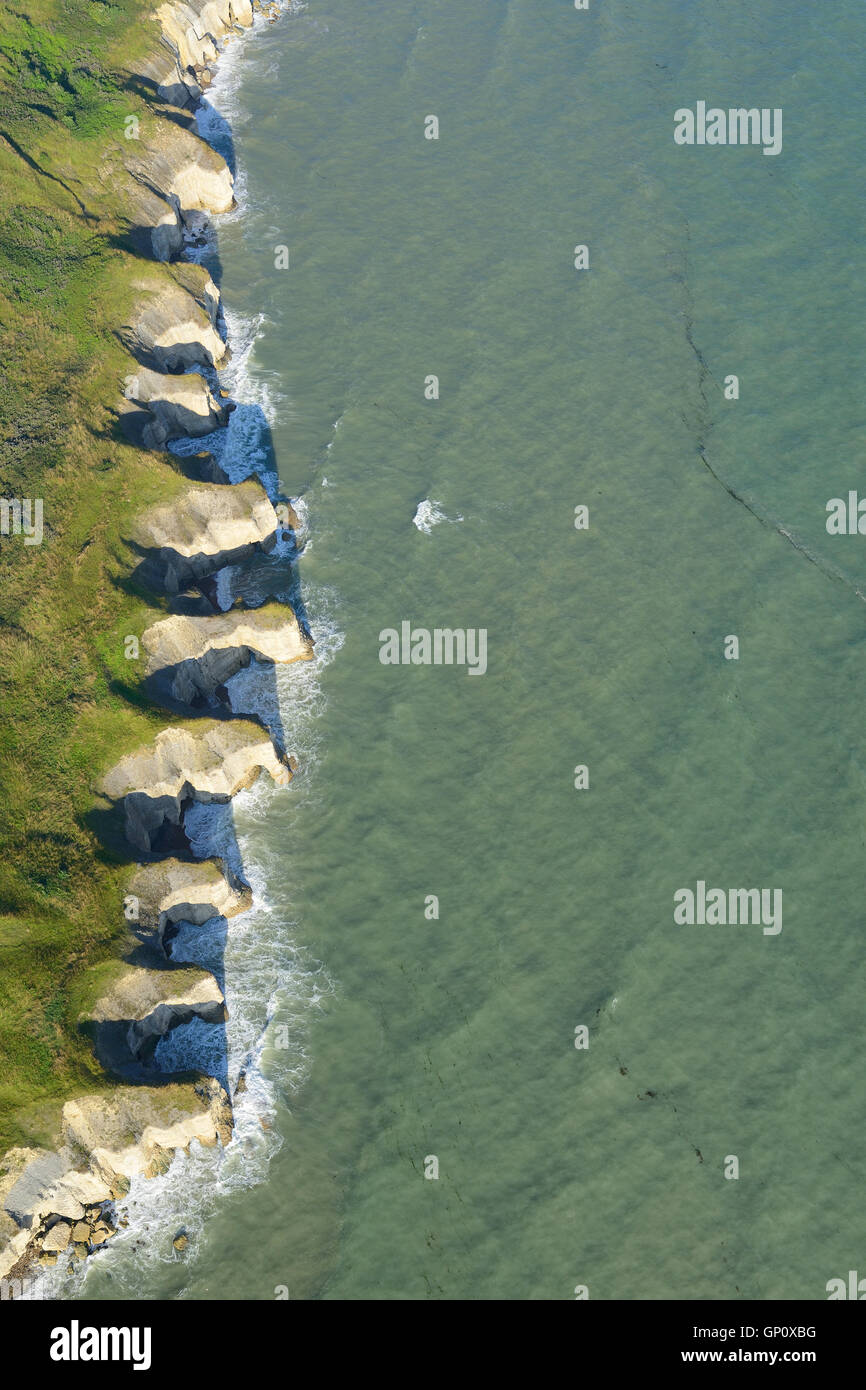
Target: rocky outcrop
(171, 329)
(191, 31)
(148, 1004)
(197, 533)
(155, 225)
(178, 165)
(155, 785)
(171, 891)
(51, 1201)
(189, 658)
(177, 405)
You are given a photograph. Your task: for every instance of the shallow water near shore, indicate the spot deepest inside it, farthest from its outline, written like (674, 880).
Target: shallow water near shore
(411, 1037)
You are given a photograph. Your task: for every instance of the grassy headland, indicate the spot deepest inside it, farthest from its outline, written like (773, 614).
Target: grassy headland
(67, 270)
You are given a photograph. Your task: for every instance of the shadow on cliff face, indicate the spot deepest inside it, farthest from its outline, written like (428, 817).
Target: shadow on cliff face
(242, 448)
(145, 1049)
(203, 119)
(137, 239)
(233, 684)
(164, 570)
(215, 129)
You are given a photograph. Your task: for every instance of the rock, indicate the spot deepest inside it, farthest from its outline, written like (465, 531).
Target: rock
(87, 1187)
(36, 1180)
(170, 330)
(200, 531)
(149, 1004)
(178, 405)
(190, 27)
(173, 891)
(47, 1260)
(190, 33)
(155, 225)
(131, 1129)
(214, 763)
(39, 1187)
(178, 165)
(81, 1233)
(181, 1241)
(189, 658)
(57, 1238)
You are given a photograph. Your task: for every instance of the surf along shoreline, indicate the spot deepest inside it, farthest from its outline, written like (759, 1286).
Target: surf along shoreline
(170, 650)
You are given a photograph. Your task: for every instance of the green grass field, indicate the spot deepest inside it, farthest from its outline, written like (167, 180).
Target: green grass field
(65, 281)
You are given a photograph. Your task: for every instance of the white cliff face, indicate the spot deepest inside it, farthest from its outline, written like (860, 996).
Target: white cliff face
(192, 27)
(212, 763)
(137, 993)
(210, 520)
(172, 890)
(149, 1004)
(56, 1201)
(178, 405)
(170, 330)
(188, 658)
(51, 1200)
(204, 528)
(134, 1129)
(174, 161)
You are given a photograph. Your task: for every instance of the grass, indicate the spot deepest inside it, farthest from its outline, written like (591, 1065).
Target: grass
(66, 282)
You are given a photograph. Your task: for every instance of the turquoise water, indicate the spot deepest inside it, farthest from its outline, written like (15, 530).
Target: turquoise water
(455, 1037)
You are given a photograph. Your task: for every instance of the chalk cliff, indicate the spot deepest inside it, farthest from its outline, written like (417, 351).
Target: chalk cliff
(189, 658)
(211, 763)
(207, 527)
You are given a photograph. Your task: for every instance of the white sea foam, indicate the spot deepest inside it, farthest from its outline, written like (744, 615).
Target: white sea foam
(429, 514)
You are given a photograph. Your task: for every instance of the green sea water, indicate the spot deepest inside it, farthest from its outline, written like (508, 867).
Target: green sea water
(455, 1037)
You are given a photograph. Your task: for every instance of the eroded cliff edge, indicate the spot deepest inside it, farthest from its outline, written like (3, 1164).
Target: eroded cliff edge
(61, 1199)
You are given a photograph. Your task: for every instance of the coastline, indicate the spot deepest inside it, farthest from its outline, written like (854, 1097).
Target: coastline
(64, 1200)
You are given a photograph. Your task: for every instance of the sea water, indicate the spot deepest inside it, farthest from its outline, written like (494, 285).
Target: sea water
(581, 1067)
